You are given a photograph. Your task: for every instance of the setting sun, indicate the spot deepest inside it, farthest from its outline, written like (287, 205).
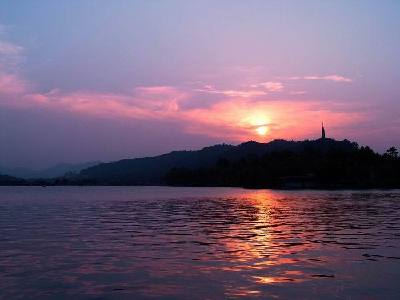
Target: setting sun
(262, 130)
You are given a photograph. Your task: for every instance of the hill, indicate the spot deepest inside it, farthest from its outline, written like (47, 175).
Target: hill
(326, 164)
(6, 180)
(157, 170)
(150, 170)
(51, 172)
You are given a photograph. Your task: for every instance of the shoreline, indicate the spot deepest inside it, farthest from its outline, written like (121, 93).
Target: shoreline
(234, 187)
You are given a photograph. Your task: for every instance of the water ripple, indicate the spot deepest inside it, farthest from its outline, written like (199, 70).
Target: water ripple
(198, 243)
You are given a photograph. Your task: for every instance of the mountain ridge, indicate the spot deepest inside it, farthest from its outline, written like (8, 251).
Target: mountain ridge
(151, 170)
(57, 170)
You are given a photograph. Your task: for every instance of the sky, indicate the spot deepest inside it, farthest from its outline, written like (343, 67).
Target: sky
(105, 80)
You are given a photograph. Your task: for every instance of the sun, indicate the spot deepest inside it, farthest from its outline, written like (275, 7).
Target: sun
(262, 130)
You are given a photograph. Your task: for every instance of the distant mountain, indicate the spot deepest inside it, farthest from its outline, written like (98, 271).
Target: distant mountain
(153, 170)
(55, 171)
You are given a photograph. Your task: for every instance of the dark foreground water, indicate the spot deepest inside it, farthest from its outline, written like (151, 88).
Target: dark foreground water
(198, 243)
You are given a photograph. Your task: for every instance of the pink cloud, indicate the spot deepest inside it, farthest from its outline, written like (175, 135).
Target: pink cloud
(139, 106)
(298, 93)
(10, 55)
(270, 86)
(232, 93)
(7, 48)
(258, 89)
(335, 78)
(11, 84)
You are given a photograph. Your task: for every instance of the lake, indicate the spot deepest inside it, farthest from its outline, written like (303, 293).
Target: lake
(198, 243)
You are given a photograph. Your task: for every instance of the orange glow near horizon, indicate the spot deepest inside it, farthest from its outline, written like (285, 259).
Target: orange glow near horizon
(256, 118)
(242, 120)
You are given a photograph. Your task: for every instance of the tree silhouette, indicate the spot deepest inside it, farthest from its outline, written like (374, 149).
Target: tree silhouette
(314, 165)
(392, 152)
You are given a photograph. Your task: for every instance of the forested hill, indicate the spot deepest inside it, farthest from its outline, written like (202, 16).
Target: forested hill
(12, 181)
(323, 164)
(155, 170)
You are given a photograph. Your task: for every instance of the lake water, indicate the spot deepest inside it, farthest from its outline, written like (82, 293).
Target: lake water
(198, 243)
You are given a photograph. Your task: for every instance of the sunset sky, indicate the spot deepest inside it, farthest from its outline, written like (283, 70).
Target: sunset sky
(106, 80)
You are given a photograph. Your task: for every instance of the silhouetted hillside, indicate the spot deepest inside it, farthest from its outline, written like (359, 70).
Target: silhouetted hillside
(152, 170)
(9, 180)
(54, 171)
(252, 148)
(308, 164)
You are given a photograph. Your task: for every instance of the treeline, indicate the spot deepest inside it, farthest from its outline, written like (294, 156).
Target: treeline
(312, 167)
(10, 180)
